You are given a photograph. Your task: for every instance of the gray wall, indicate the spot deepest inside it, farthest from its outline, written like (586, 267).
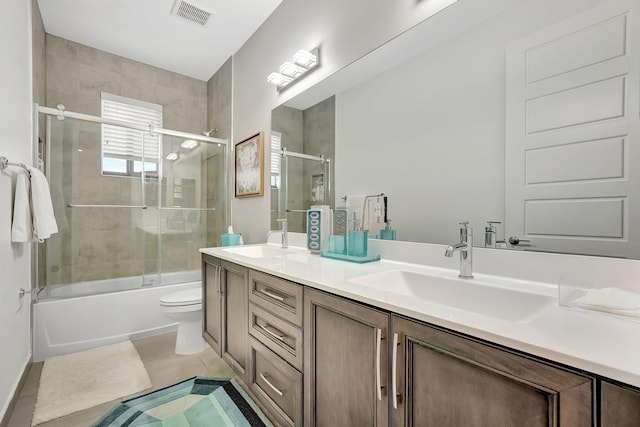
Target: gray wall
(430, 133)
(15, 144)
(76, 74)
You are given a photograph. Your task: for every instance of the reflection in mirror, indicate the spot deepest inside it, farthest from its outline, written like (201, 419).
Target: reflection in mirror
(544, 145)
(299, 182)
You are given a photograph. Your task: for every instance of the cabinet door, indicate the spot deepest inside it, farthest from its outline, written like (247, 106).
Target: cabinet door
(345, 363)
(235, 312)
(620, 406)
(211, 299)
(445, 379)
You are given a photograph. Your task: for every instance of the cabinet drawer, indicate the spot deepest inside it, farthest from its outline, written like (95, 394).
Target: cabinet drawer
(279, 296)
(281, 337)
(276, 384)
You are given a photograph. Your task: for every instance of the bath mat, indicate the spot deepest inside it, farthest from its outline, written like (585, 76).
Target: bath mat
(196, 402)
(78, 381)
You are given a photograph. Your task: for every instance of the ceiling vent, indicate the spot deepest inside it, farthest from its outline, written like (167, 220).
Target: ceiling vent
(192, 11)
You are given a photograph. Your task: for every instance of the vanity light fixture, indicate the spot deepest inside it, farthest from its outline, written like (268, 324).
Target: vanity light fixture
(279, 80)
(305, 58)
(189, 144)
(292, 70)
(172, 156)
(303, 62)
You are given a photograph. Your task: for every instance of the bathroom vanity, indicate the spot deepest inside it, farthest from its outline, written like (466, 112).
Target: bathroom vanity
(324, 342)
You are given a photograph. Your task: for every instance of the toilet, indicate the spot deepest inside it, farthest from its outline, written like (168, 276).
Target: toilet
(185, 307)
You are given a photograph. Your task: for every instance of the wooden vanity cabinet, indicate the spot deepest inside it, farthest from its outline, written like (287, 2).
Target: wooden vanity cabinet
(345, 360)
(619, 405)
(226, 306)
(444, 379)
(316, 359)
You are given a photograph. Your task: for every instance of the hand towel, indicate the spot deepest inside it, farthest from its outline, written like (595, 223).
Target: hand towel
(22, 228)
(44, 221)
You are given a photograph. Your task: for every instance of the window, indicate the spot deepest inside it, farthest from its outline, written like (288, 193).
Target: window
(276, 138)
(127, 152)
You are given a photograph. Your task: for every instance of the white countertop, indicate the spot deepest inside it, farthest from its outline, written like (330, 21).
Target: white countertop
(595, 342)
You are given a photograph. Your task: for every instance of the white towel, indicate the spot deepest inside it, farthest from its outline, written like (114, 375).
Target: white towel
(44, 221)
(33, 218)
(22, 228)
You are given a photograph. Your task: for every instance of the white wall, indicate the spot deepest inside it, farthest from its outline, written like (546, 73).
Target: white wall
(15, 144)
(344, 30)
(430, 133)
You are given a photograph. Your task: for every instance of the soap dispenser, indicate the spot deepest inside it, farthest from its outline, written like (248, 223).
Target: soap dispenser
(388, 233)
(490, 234)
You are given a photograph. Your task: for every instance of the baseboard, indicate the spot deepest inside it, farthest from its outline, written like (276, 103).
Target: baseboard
(16, 394)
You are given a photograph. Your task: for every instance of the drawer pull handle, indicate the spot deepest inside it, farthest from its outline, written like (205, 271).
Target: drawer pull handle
(271, 294)
(273, 334)
(264, 378)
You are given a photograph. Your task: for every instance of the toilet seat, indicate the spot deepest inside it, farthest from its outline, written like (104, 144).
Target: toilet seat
(182, 298)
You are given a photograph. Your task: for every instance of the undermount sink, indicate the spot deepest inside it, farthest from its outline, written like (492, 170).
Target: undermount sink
(256, 251)
(469, 294)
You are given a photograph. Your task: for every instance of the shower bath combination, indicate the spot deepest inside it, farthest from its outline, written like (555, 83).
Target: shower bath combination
(128, 225)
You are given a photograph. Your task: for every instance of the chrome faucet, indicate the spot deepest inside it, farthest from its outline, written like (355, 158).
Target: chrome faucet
(283, 231)
(465, 247)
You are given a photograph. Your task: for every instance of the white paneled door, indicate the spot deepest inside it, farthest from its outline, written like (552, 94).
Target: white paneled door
(572, 127)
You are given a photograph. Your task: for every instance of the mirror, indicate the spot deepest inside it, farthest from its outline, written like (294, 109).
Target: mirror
(441, 127)
(299, 183)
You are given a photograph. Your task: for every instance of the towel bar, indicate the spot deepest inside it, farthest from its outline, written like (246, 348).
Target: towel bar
(4, 162)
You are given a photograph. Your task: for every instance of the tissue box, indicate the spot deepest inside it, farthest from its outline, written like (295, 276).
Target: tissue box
(230, 239)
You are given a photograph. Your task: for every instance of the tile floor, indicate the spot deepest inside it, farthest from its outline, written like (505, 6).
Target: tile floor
(162, 364)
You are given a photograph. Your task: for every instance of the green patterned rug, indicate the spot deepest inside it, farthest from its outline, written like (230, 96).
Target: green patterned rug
(196, 402)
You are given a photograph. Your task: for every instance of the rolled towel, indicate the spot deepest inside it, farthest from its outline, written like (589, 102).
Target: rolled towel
(610, 299)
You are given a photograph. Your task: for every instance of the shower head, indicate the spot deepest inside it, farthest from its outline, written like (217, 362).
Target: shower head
(210, 132)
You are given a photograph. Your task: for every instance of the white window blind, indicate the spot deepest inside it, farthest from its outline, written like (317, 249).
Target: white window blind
(276, 138)
(123, 143)
(276, 144)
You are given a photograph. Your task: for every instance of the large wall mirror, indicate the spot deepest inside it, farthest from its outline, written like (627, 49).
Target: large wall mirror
(528, 118)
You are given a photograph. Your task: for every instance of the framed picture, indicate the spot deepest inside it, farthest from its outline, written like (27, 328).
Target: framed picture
(250, 166)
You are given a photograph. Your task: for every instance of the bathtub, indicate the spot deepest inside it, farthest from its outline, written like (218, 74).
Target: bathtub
(63, 324)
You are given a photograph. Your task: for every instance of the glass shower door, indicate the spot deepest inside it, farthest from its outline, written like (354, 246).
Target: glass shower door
(97, 204)
(191, 194)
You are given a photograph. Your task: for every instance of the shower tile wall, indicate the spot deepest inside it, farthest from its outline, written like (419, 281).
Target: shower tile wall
(311, 131)
(109, 243)
(218, 116)
(289, 122)
(319, 138)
